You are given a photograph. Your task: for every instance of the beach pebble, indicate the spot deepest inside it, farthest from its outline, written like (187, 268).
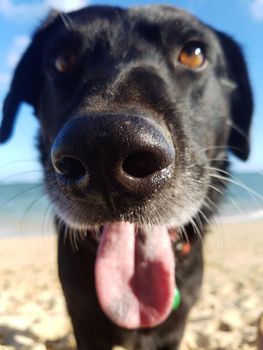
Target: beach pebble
(191, 341)
(51, 328)
(21, 340)
(230, 320)
(67, 342)
(14, 322)
(38, 347)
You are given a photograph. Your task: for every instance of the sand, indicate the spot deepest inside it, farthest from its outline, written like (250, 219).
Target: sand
(32, 310)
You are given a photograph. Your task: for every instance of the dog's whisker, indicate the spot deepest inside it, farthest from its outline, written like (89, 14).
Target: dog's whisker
(230, 123)
(200, 211)
(182, 232)
(68, 236)
(199, 221)
(222, 159)
(10, 177)
(61, 231)
(74, 235)
(240, 131)
(46, 219)
(10, 200)
(16, 162)
(67, 21)
(28, 210)
(216, 189)
(218, 170)
(234, 203)
(238, 183)
(221, 147)
(196, 229)
(210, 205)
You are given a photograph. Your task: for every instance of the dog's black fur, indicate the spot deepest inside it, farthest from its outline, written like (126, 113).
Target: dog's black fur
(127, 64)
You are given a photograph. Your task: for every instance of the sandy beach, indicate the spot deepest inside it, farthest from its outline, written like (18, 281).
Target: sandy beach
(32, 311)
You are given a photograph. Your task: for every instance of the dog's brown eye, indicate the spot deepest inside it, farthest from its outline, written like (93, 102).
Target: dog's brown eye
(192, 55)
(65, 62)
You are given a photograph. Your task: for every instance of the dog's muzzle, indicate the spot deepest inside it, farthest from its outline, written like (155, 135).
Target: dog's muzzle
(129, 155)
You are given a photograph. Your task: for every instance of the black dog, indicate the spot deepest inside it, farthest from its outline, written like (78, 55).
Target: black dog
(138, 109)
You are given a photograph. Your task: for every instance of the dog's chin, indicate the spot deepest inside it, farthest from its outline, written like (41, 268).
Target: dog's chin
(79, 224)
(175, 217)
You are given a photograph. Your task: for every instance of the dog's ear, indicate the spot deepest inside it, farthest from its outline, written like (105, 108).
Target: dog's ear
(242, 100)
(27, 79)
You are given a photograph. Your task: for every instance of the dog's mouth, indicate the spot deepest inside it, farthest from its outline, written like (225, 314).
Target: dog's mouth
(135, 274)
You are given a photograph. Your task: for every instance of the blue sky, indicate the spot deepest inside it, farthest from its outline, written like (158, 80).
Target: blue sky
(243, 19)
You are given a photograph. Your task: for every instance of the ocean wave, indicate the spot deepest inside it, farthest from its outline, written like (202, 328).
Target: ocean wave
(244, 217)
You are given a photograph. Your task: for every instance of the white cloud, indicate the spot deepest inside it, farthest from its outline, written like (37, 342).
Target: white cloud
(25, 10)
(256, 9)
(65, 5)
(18, 46)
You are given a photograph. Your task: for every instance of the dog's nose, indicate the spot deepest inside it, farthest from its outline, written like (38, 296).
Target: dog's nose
(117, 152)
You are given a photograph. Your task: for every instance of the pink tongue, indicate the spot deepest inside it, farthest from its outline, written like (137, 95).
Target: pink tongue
(135, 275)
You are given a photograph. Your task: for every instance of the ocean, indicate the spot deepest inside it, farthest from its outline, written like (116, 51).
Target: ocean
(244, 198)
(25, 209)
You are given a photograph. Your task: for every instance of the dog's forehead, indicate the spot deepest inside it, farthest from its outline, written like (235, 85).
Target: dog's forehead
(161, 14)
(95, 20)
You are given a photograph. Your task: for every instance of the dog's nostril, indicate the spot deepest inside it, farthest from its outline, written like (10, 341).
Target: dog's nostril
(69, 167)
(140, 165)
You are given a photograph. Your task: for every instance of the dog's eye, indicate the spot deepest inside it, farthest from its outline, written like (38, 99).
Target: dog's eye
(65, 61)
(192, 55)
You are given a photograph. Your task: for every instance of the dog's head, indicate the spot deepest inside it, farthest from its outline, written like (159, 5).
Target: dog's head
(138, 109)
